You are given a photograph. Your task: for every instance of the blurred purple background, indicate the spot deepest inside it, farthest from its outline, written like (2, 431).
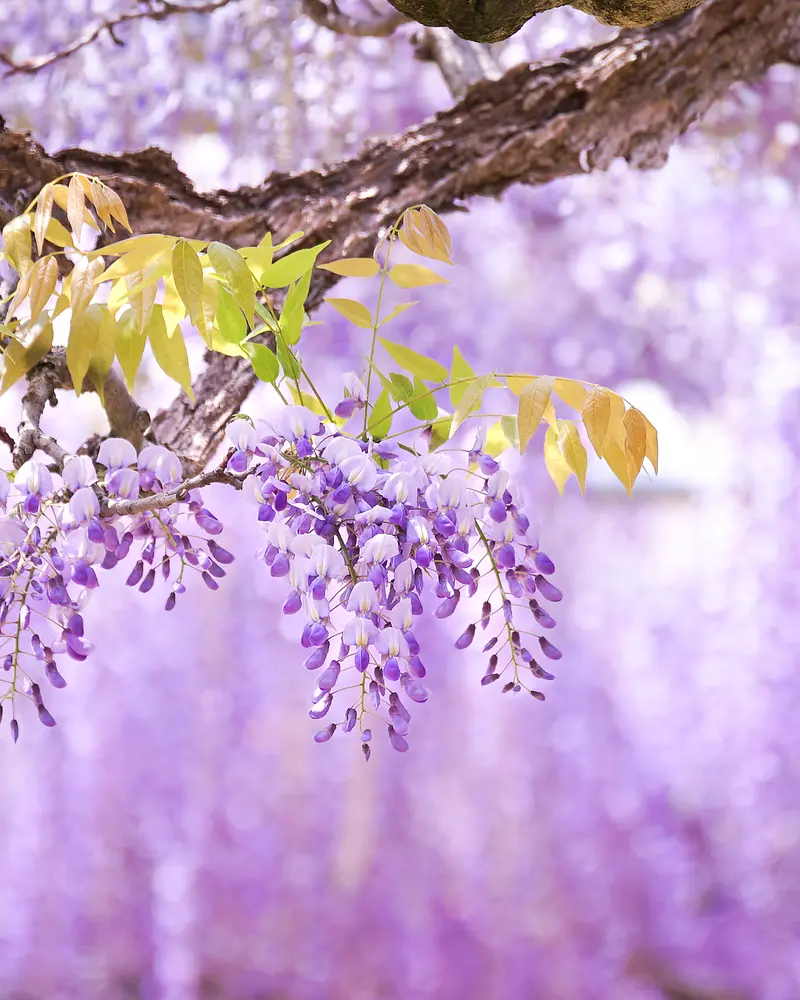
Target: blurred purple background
(179, 836)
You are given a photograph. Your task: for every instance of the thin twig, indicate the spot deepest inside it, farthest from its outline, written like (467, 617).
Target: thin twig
(154, 10)
(326, 14)
(159, 501)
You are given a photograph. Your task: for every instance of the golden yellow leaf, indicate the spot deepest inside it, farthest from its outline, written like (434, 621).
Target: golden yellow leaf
(569, 441)
(43, 278)
(44, 210)
(22, 354)
(572, 392)
(356, 312)
(414, 276)
(57, 234)
(554, 460)
(398, 309)
(440, 232)
(76, 206)
(117, 209)
(99, 198)
(518, 383)
(617, 461)
(20, 293)
(352, 267)
(550, 415)
(532, 403)
(651, 449)
(635, 441)
(145, 255)
(17, 243)
(596, 413)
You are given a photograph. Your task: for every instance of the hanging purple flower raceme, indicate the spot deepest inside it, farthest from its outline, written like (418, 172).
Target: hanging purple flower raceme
(58, 532)
(368, 537)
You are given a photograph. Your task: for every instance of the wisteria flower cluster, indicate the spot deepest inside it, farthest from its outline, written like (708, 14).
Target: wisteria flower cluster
(367, 534)
(58, 531)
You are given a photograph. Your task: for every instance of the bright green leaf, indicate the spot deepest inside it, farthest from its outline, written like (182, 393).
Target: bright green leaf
(283, 272)
(403, 386)
(423, 405)
(265, 363)
(380, 419)
(230, 320)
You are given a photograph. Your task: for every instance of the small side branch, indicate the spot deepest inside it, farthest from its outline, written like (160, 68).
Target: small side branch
(30, 437)
(160, 501)
(327, 14)
(153, 10)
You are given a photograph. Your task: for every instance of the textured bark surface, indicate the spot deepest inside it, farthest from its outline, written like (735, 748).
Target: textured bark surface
(494, 20)
(630, 97)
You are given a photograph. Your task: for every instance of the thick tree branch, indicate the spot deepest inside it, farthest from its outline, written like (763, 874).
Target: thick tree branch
(125, 417)
(631, 97)
(327, 14)
(460, 62)
(152, 10)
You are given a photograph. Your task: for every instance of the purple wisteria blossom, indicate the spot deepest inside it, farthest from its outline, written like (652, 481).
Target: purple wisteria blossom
(58, 531)
(367, 535)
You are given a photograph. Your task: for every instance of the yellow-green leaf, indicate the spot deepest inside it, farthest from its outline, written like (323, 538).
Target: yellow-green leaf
(380, 419)
(470, 400)
(17, 243)
(440, 430)
(187, 272)
(103, 355)
(596, 413)
(396, 312)
(172, 308)
(554, 460)
(356, 312)
(230, 319)
(129, 341)
(414, 276)
(412, 361)
(532, 403)
(84, 335)
(22, 354)
(496, 440)
(141, 296)
(510, 428)
(283, 272)
(293, 314)
(635, 441)
(20, 293)
(572, 392)
(459, 369)
(44, 210)
(352, 267)
(81, 283)
(573, 450)
(169, 352)
(44, 275)
(231, 266)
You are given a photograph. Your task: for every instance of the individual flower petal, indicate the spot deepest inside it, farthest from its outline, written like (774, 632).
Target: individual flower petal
(79, 471)
(34, 478)
(84, 505)
(117, 453)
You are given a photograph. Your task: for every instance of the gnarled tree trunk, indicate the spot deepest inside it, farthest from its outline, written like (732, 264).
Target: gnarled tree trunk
(494, 20)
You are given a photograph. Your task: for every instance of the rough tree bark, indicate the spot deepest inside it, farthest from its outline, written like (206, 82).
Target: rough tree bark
(494, 20)
(630, 97)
